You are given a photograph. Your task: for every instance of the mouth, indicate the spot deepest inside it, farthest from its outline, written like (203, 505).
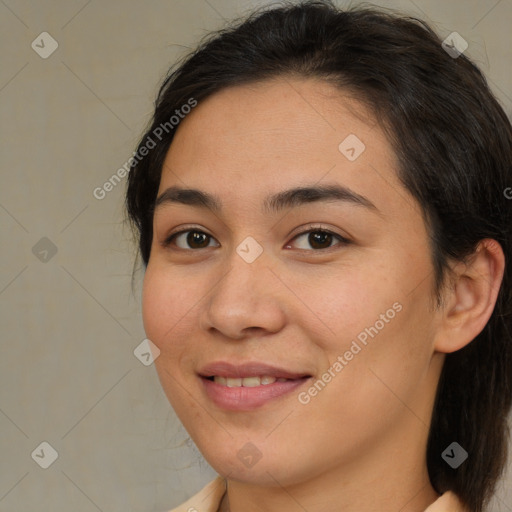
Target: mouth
(246, 382)
(248, 386)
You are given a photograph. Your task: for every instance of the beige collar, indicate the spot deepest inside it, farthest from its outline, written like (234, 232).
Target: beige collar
(208, 499)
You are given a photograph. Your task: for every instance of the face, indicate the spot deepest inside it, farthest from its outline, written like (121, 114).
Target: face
(295, 333)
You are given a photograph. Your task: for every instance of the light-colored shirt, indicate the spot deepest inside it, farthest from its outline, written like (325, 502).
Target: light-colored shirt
(209, 497)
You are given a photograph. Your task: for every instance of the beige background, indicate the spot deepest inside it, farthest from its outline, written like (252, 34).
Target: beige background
(70, 324)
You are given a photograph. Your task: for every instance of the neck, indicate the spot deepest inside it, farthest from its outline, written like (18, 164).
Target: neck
(291, 499)
(386, 478)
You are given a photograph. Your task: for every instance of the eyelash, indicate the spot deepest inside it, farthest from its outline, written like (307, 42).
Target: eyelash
(311, 229)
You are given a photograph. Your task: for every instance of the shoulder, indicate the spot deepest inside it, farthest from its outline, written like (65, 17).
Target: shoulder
(447, 502)
(207, 499)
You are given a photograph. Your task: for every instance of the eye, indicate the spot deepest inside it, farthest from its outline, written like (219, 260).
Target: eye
(319, 239)
(195, 238)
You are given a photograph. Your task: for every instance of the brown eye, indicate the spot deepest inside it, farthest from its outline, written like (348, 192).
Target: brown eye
(319, 239)
(193, 239)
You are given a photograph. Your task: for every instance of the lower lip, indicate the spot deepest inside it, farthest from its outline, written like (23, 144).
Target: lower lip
(245, 398)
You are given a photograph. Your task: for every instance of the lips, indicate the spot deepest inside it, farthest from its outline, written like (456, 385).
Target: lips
(246, 382)
(248, 386)
(246, 370)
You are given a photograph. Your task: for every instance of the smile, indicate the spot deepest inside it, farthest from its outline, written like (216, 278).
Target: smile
(249, 385)
(246, 382)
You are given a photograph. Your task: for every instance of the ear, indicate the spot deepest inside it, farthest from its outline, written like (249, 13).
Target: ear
(470, 301)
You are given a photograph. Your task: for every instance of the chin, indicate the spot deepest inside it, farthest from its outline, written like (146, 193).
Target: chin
(251, 466)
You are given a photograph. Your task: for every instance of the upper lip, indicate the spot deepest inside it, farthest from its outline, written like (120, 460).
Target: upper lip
(247, 369)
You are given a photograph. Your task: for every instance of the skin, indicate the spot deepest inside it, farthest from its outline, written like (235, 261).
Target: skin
(360, 443)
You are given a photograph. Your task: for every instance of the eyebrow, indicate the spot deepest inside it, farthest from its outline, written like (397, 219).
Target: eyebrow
(293, 197)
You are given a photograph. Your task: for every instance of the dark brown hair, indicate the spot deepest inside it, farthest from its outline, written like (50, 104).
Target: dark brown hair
(454, 144)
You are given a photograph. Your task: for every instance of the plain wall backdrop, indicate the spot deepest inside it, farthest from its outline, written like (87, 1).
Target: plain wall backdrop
(70, 321)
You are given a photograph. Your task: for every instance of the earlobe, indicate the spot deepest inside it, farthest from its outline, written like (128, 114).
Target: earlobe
(471, 299)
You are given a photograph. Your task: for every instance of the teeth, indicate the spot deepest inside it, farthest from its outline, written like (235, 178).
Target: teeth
(251, 382)
(233, 383)
(247, 382)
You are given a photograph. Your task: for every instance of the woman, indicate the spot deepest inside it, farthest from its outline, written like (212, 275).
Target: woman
(319, 204)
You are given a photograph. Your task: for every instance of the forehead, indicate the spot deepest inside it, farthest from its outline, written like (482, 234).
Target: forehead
(245, 142)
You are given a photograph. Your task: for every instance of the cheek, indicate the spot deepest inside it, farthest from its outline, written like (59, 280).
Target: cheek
(391, 362)
(343, 304)
(371, 322)
(167, 309)
(154, 321)
(165, 303)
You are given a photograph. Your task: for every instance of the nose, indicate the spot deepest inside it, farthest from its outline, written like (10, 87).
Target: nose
(246, 301)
